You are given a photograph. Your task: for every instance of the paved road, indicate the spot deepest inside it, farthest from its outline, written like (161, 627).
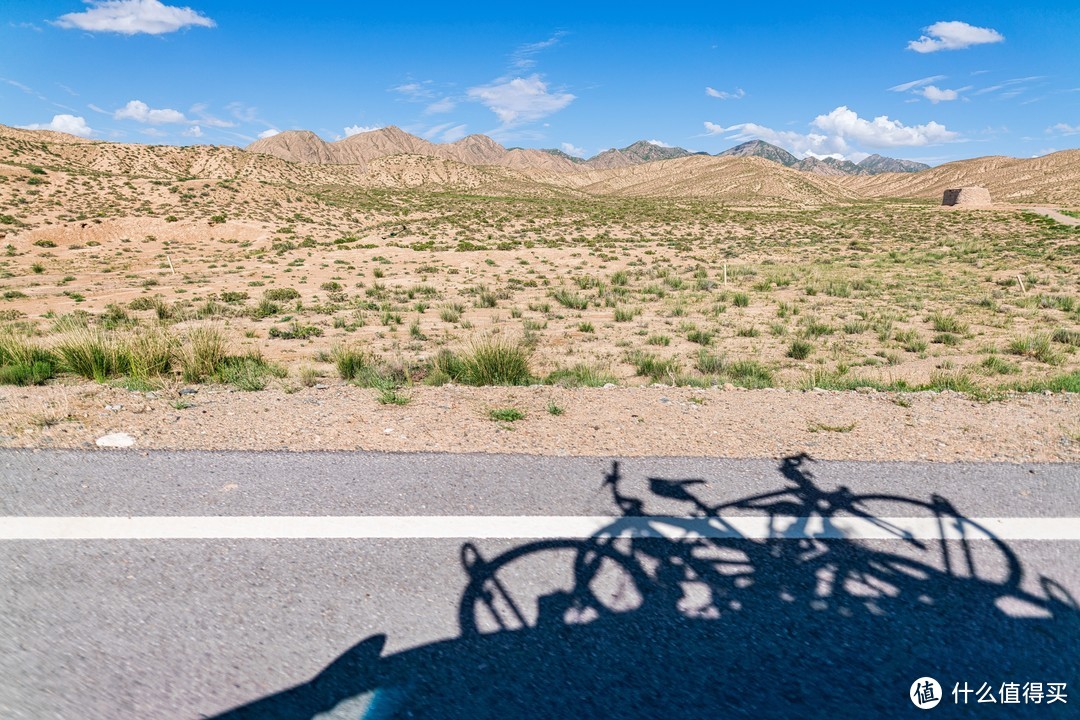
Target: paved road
(188, 602)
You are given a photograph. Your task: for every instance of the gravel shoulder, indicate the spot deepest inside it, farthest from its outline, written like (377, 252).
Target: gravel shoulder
(623, 421)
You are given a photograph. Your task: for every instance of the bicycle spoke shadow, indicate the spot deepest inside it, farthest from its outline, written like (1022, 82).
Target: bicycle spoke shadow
(800, 602)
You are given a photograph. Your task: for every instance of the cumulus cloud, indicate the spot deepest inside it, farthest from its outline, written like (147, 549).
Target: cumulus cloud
(659, 143)
(357, 129)
(270, 132)
(904, 87)
(838, 130)
(193, 132)
(141, 112)
(520, 99)
(572, 149)
(935, 94)
(881, 132)
(953, 35)
(739, 94)
(799, 143)
(69, 124)
(131, 17)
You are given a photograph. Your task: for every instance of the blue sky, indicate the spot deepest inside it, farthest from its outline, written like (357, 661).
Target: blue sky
(929, 81)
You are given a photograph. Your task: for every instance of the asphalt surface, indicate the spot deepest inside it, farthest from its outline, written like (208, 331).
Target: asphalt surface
(377, 627)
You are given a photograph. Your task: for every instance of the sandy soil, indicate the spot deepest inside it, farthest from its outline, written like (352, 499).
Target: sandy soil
(622, 421)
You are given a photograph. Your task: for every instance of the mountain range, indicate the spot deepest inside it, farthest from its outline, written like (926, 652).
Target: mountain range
(362, 148)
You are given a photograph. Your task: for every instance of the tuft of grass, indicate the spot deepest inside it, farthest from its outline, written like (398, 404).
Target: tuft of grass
(580, 375)
(451, 313)
(815, 427)
(510, 414)
(351, 361)
(1036, 346)
(654, 367)
(701, 337)
(554, 409)
(295, 331)
(947, 324)
(749, 374)
(659, 340)
(625, 314)
(393, 396)
(995, 365)
(1068, 382)
(800, 349)
(571, 300)
(494, 361)
(281, 294)
(247, 372)
(91, 354)
(202, 352)
(740, 299)
(1066, 337)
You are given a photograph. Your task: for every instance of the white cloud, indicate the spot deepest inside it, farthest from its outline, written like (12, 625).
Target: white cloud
(455, 133)
(415, 90)
(141, 112)
(193, 132)
(881, 131)
(520, 99)
(69, 124)
(271, 132)
(799, 143)
(523, 56)
(936, 95)
(357, 129)
(904, 87)
(444, 105)
(839, 129)
(154, 132)
(953, 35)
(1065, 129)
(571, 149)
(660, 143)
(739, 94)
(131, 17)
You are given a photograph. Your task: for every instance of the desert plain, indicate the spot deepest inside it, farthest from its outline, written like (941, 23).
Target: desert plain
(212, 297)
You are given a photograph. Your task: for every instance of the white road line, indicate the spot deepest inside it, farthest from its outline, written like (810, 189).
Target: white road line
(528, 527)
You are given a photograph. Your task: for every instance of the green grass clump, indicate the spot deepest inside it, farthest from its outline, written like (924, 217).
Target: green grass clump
(202, 352)
(740, 299)
(1066, 337)
(994, 365)
(749, 374)
(625, 314)
(701, 337)
(1037, 347)
(295, 331)
(351, 362)
(24, 363)
(91, 354)
(651, 366)
(948, 324)
(495, 361)
(247, 372)
(1068, 382)
(148, 354)
(281, 294)
(510, 414)
(800, 349)
(580, 375)
(571, 300)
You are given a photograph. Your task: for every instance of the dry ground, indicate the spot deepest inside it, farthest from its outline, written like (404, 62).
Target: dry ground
(898, 295)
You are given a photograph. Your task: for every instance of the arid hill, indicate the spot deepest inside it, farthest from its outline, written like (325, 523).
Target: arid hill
(1053, 179)
(391, 158)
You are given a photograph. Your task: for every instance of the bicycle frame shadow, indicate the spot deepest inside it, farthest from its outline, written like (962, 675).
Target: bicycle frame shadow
(721, 612)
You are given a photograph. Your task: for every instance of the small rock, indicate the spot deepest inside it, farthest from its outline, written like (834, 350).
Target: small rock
(665, 399)
(321, 386)
(152, 396)
(729, 386)
(115, 440)
(114, 408)
(188, 391)
(608, 386)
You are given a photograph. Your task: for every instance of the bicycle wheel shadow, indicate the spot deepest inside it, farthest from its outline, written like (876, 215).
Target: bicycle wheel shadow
(780, 605)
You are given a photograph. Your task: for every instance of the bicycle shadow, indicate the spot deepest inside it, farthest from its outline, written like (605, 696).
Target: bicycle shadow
(710, 613)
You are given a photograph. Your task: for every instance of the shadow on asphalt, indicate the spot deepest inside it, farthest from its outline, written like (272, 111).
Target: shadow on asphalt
(660, 618)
